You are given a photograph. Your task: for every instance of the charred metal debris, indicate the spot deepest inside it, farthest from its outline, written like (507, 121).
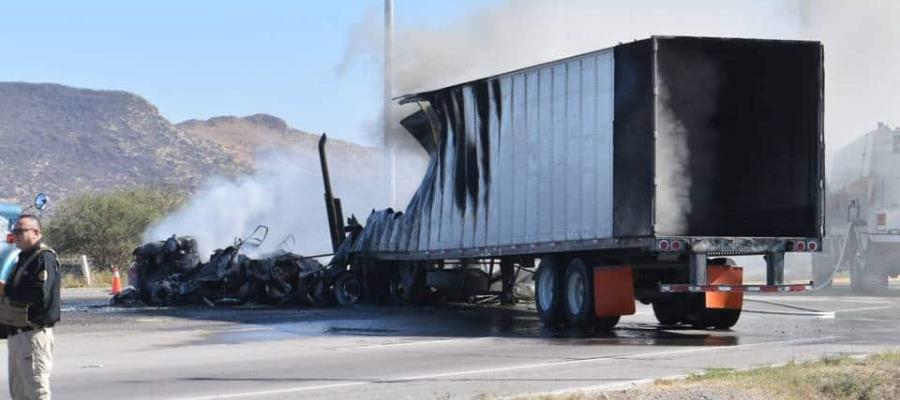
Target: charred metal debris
(169, 272)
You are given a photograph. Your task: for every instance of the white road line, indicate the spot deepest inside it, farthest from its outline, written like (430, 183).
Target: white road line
(235, 330)
(865, 300)
(773, 303)
(400, 344)
(817, 314)
(502, 369)
(864, 309)
(275, 391)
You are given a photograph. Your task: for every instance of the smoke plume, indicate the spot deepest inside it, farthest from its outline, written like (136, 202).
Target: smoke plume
(862, 64)
(285, 194)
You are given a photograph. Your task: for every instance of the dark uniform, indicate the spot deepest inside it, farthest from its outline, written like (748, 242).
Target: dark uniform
(35, 281)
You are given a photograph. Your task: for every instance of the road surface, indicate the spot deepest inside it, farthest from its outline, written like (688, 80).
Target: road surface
(446, 352)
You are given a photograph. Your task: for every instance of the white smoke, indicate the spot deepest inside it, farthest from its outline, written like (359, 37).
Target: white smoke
(517, 33)
(285, 194)
(862, 64)
(673, 169)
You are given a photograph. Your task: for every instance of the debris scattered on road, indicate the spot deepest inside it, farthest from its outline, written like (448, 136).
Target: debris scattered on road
(170, 273)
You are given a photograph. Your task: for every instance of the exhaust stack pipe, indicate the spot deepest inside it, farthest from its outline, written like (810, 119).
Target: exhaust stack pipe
(332, 204)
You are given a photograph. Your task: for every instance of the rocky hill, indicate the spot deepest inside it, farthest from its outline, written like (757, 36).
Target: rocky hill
(64, 140)
(245, 138)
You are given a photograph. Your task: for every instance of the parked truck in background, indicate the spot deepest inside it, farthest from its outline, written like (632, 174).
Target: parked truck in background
(626, 173)
(863, 221)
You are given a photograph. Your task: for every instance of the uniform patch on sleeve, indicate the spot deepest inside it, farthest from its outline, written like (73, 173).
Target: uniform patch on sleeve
(42, 276)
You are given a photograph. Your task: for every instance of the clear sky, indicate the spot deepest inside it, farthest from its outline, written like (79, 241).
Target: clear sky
(204, 58)
(201, 58)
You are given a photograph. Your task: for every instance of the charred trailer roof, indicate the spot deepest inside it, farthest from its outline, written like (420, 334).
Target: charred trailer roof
(668, 136)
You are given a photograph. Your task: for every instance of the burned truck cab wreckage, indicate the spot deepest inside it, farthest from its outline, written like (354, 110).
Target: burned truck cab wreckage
(624, 174)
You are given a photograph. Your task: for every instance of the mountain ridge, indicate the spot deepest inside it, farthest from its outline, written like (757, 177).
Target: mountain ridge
(64, 140)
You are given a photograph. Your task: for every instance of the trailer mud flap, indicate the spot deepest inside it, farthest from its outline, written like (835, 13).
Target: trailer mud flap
(613, 291)
(725, 275)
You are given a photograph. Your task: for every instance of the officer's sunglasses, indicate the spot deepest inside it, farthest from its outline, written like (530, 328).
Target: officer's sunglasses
(21, 231)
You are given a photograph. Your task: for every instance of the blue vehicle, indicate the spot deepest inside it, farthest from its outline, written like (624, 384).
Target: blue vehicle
(8, 251)
(9, 213)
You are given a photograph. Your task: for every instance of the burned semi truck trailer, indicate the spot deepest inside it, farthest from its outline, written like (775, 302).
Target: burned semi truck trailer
(625, 173)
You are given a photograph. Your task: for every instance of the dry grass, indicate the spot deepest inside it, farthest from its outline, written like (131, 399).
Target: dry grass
(834, 378)
(875, 377)
(98, 279)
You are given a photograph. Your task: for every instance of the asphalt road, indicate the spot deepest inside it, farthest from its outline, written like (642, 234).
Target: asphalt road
(423, 353)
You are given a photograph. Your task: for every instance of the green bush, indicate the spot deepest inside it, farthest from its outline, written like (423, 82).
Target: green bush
(108, 226)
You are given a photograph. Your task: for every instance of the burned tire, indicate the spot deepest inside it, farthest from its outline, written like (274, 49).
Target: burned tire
(347, 289)
(323, 294)
(667, 311)
(579, 295)
(548, 291)
(407, 286)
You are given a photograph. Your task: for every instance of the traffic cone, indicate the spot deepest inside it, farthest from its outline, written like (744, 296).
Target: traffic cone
(116, 282)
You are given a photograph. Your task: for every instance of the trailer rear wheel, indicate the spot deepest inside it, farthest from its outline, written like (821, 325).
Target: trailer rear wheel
(697, 315)
(723, 318)
(549, 293)
(606, 323)
(579, 295)
(667, 310)
(701, 317)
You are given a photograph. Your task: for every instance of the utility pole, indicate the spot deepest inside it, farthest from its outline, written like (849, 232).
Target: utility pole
(390, 156)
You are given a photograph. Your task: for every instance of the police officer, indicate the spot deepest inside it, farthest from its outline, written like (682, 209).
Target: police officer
(35, 281)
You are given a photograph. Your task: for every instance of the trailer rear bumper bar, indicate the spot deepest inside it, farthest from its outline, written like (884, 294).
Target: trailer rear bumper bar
(688, 288)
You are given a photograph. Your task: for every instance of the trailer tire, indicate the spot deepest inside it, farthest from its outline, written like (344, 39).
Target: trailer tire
(548, 291)
(723, 318)
(667, 310)
(323, 294)
(579, 295)
(701, 317)
(606, 323)
(407, 285)
(347, 290)
(696, 314)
